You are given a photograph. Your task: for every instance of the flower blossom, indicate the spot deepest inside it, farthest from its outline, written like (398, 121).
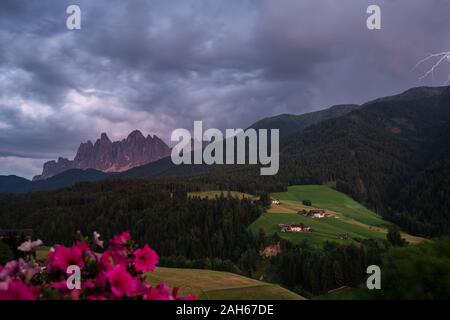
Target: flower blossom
(121, 240)
(17, 290)
(96, 239)
(145, 259)
(117, 273)
(63, 257)
(29, 246)
(121, 282)
(18, 269)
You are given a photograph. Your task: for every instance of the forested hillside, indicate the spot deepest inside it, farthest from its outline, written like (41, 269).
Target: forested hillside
(186, 231)
(392, 154)
(380, 155)
(162, 215)
(289, 123)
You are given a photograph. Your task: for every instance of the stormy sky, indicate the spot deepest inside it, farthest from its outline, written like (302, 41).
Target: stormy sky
(159, 65)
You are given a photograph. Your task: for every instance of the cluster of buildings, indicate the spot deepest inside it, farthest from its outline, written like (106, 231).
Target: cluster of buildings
(316, 213)
(294, 227)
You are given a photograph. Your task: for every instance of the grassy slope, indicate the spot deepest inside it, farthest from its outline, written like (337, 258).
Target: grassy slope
(327, 198)
(327, 229)
(215, 285)
(349, 216)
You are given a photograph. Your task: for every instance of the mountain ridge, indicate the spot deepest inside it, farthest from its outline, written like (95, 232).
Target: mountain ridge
(290, 123)
(107, 156)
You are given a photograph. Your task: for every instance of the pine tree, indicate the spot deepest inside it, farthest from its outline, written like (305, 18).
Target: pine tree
(394, 237)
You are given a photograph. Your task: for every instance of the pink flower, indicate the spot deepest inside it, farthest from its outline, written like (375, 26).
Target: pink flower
(122, 283)
(61, 286)
(75, 294)
(106, 262)
(101, 280)
(29, 246)
(88, 284)
(4, 285)
(17, 290)
(187, 298)
(114, 274)
(83, 246)
(161, 292)
(18, 268)
(96, 239)
(176, 297)
(63, 257)
(97, 297)
(117, 248)
(121, 240)
(10, 270)
(145, 259)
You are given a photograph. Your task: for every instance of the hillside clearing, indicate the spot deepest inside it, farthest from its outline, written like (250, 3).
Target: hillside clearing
(211, 194)
(348, 217)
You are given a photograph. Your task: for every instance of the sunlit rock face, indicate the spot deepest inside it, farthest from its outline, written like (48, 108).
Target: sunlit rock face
(105, 155)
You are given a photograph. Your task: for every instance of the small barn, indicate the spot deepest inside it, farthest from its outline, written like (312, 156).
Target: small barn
(276, 202)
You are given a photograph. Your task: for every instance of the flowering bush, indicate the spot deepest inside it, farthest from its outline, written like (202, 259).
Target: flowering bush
(116, 273)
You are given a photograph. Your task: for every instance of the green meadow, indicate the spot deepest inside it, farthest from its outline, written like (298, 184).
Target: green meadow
(326, 198)
(348, 217)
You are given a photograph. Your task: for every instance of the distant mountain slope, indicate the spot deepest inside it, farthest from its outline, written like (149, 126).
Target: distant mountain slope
(412, 94)
(289, 123)
(69, 178)
(14, 184)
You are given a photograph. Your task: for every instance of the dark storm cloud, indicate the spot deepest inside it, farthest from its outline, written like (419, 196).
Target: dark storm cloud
(159, 65)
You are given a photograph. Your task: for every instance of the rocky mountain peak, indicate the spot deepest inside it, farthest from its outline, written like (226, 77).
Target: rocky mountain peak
(107, 156)
(104, 140)
(136, 134)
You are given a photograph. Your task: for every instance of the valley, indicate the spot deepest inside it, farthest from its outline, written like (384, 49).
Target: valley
(387, 162)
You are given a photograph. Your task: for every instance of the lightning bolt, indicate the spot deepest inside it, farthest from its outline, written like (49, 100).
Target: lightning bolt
(438, 59)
